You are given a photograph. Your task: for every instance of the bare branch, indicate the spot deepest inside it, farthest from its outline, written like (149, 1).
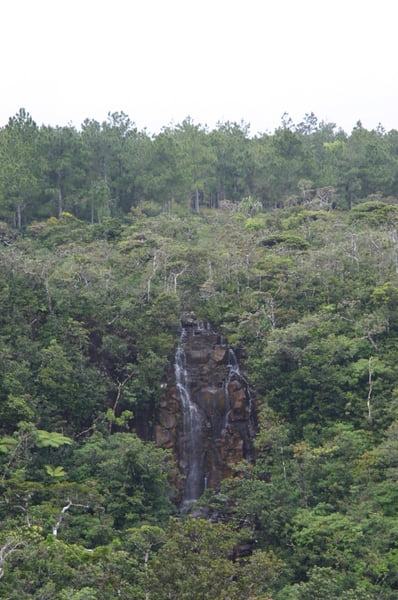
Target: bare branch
(370, 383)
(8, 548)
(63, 511)
(119, 387)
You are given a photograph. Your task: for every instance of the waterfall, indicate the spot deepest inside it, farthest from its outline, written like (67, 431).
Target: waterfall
(233, 371)
(192, 428)
(207, 417)
(204, 326)
(233, 365)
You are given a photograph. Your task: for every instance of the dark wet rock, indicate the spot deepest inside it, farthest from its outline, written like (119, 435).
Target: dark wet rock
(218, 432)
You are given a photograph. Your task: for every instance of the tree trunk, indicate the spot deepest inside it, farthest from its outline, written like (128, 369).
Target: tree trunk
(19, 216)
(60, 201)
(197, 203)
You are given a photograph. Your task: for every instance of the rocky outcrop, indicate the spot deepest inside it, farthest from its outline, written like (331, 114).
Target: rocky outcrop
(206, 416)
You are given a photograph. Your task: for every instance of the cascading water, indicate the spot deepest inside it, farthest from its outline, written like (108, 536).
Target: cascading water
(233, 370)
(233, 365)
(234, 373)
(207, 416)
(192, 428)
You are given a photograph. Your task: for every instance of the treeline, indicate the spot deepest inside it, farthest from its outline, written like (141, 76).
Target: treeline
(105, 169)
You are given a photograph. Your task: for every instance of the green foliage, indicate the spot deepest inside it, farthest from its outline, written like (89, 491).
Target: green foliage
(286, 244)
(103, 170)
(196, 555)
(129, 473)
(56, 472)
(324, 582)
(57, 231)
(291, 241)
(250, 206)
(374, 211)
(51, 440)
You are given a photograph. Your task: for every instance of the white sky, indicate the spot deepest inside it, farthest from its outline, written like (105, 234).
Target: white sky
(215, 60)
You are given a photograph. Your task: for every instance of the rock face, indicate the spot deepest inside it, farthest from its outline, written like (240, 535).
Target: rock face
(206, 415)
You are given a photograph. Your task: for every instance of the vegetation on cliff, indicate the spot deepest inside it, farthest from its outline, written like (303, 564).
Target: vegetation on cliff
(287, 244)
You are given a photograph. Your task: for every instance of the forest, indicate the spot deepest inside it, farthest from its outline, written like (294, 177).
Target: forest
(286, 243)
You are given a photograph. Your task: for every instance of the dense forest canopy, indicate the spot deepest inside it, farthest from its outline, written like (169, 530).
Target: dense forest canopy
(105, 169)
(287, 244)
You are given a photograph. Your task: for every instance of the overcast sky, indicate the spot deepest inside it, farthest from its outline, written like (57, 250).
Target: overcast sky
(162, 60)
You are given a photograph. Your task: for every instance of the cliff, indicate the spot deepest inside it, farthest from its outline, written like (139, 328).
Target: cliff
(206, 415)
